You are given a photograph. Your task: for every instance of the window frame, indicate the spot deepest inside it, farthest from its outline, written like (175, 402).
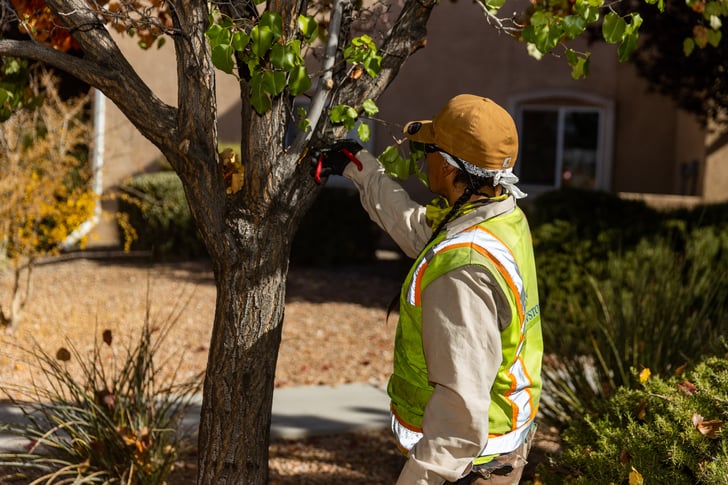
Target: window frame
(564, 102)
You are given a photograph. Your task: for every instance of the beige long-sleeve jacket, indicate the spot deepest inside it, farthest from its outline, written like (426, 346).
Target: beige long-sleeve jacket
(462, 358)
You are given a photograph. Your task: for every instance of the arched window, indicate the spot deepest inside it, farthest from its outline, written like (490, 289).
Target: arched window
(565, 140)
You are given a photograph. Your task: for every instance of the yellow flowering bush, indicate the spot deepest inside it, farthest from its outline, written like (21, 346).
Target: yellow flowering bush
(45, 191)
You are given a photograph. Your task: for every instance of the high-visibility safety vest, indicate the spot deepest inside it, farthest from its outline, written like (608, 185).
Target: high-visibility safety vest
(503, 246)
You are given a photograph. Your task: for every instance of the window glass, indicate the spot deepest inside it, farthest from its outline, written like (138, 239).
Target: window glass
(559, 146)
(579, 160)
(538, 146)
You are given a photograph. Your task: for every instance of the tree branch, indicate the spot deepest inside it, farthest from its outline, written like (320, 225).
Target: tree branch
(325, 84)
(105, 67)
(408, 35)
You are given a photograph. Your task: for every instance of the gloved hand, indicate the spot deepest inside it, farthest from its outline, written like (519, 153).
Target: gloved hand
(334, 159)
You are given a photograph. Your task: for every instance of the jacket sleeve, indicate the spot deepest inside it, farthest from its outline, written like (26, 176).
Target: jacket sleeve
(389, 205)
(461, 340)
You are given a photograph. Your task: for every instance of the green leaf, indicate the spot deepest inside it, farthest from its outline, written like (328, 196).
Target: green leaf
(295, 47)
(574, 26)
(283, 57)
(588, 9)
(304, 124)
(274, 82)
(373, 65)
(273, 22)
(660, 4)
(714, 37)
(262, 38)
(688, 46)
(11, 66)
(394, 164)
(308, 27)
(222, 58)
(240, 41)
(217, 35)
(369, 107)
(343, 114)
(258, 97)
(494, 5)
(547, 36)
(579, 64)
(298, 81)
(363, 131)
(613, 28)
(5, 96)
(361, 50)
(627, 47)
(528, 34)
(631, 37)
(539, 18)
(252, 63)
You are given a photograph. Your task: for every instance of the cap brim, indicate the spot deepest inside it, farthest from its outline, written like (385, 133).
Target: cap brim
(420, 131)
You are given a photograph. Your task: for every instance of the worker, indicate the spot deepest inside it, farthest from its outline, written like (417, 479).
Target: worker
(466, 377)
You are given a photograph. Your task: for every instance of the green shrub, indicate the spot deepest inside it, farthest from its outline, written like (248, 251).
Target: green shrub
(655, 308)
(336, 230)
(157, 210)
(623, 286)
(666, 431)
(117, 423)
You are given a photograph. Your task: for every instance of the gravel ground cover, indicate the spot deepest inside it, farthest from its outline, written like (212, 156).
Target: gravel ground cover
(335, 331)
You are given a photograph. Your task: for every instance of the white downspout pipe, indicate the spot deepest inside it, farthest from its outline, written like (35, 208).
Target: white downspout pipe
(97, 164)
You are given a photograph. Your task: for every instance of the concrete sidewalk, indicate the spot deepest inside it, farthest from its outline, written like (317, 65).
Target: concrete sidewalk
(298, 412)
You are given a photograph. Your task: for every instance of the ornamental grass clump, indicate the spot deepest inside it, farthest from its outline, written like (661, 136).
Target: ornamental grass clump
(119, 422)
(659, 306)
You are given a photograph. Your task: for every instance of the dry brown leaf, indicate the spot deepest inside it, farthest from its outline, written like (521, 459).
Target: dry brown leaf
(710, 429)
(687, 388)
(107, 337)
(624, 457)
(63, 354)
(356, 72)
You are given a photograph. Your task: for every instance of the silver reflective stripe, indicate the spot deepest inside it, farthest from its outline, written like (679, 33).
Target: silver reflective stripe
(485, 241)
(506, 443)
(406, 437)
(521, 396)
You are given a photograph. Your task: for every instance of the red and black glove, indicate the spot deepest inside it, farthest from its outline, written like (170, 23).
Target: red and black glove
(334, 159)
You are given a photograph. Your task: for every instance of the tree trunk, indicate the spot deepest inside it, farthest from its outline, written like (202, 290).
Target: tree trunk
(236, 415)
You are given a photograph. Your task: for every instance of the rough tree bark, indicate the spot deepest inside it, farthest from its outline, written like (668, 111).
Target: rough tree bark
(247, 234)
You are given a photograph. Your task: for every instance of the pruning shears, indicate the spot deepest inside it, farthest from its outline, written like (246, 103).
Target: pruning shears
(320, 163)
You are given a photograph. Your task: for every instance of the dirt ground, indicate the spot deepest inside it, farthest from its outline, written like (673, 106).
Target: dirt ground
(335, 331)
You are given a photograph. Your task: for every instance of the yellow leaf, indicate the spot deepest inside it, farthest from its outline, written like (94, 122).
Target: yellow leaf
(644, 375)
(635, 477)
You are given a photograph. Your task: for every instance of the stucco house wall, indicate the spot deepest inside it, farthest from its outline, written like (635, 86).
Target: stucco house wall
(646, 143)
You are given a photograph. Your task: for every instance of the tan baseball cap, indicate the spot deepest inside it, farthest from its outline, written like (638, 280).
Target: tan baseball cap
(472, 128)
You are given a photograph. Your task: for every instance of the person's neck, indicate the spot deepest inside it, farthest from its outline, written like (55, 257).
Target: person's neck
(489, 192)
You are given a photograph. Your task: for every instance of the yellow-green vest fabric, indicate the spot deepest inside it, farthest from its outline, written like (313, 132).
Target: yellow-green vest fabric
(503, 246)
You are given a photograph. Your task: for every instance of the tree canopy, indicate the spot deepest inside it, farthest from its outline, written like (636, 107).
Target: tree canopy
(682, 56)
